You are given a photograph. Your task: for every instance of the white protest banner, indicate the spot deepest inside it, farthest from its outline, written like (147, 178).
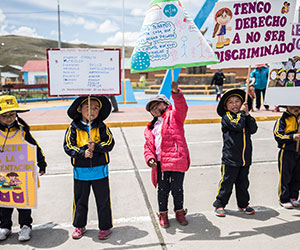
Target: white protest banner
(83, 72)
(169, 39)
(252, 32)
(284, 78)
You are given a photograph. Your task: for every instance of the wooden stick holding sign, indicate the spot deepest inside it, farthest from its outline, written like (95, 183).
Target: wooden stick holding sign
(247, 83)
(89, 106)
(297, 145)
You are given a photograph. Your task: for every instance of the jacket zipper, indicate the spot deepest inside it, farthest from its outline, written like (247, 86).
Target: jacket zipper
(244, 147)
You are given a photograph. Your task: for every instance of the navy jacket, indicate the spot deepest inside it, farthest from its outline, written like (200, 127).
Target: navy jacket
(284, 130)
(76, 140)
(237, 146)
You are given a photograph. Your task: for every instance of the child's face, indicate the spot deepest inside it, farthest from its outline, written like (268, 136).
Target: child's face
(291, 76)
(298, 75)
(8, 118)
(295, 110)
(158, 108)
(84, 110)
(282, 75)
(234, 104)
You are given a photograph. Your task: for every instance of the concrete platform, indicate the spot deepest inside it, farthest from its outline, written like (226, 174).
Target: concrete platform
(134, 201)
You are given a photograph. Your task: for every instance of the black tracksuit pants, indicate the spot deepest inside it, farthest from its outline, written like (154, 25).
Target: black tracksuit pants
(289, 170)
(237, 176)
(102, 196)
(169, 181)
(6, 215)
(258, 94)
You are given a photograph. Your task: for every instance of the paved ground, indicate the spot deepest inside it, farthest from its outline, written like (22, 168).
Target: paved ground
(134, 199)
(202, 109)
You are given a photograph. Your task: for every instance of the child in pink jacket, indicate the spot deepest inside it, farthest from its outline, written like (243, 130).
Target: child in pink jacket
(166, 152)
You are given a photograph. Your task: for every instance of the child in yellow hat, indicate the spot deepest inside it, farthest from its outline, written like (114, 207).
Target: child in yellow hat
(11, 125)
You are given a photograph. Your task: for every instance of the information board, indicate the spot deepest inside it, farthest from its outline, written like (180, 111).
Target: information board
(83, 72)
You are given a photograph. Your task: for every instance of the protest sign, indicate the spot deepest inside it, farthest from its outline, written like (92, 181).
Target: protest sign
(18, 178)
(83, 72)
(284, 78)
(169, 39)
(252, 32)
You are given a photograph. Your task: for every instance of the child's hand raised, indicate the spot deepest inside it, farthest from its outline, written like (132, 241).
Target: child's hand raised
(91, 145)
(244, 107)
(174, 87)
(152, 163)
(88, 153)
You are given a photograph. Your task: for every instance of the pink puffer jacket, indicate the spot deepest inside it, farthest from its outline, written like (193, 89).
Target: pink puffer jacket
(174, 150)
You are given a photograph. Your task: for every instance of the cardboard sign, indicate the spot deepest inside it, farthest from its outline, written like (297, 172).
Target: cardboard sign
(284, 78)
(84, 72)
(252, 32)
(18, 178)
(169, 39)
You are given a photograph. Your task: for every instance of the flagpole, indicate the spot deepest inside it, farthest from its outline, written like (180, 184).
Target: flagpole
(58, 21)
(123, 52)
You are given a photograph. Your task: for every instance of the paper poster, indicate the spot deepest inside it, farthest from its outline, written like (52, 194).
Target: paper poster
(252, 32)
(284, 78)
(84, 72)
(169, 39)
(18, 178)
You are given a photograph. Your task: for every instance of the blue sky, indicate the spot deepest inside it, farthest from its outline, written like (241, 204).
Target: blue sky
(96, 22)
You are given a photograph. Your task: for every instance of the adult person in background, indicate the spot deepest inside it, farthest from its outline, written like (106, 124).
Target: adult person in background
(260, 74)
(218, 80)
(114, 103)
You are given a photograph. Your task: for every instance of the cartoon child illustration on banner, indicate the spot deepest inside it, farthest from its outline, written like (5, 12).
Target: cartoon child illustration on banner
(222, 18)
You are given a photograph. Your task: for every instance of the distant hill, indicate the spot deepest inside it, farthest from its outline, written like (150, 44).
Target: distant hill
(16, 50)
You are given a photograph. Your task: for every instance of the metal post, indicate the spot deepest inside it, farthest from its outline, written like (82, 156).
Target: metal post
(123, 52)
(58, 19)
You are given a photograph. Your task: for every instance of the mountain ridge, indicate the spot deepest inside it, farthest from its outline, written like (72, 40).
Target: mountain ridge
(16, 50)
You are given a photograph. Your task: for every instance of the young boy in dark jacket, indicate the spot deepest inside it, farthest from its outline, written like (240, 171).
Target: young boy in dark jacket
(88, 147)
(237, 127)
(287, 136)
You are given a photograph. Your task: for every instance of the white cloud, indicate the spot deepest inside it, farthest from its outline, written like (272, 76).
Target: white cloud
(54, 33)
(2, 16)
(138, 12)
(77, 41)
(90, 25)
(3, 31)
(108, 27)
(129, 37)
(26, 31)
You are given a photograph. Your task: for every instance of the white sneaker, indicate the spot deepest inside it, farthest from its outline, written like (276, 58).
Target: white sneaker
(295, 203)
(4, 233)
(24, 234)
(287, 205)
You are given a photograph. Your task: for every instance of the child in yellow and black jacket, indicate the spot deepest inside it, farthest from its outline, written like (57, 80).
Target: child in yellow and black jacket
(89, 157)
(237, 127)
(286, 134)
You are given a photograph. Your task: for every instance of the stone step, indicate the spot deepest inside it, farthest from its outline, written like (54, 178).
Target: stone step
(187, 92)
(203, 87)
